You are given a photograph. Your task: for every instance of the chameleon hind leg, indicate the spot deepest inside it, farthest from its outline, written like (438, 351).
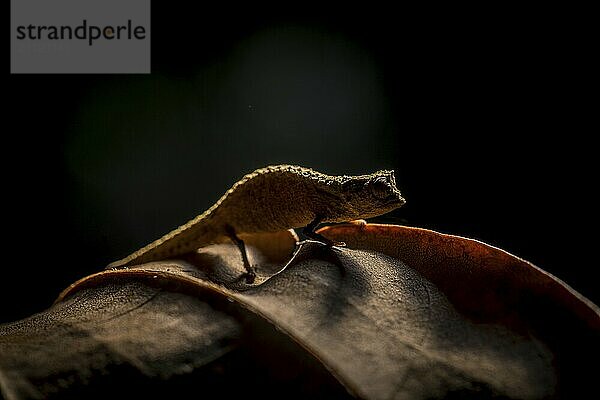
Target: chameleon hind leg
(250, 270)
(309, 232)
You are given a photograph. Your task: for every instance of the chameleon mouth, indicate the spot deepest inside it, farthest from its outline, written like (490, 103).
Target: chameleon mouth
(395, 198)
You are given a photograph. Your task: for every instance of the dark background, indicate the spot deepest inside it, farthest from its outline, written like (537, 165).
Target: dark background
(480, 112)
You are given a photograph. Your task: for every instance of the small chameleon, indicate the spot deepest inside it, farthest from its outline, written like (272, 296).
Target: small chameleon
(272, 199)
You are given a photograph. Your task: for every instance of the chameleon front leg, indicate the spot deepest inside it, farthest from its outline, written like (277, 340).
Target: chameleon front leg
(309, 231)
(250, 270)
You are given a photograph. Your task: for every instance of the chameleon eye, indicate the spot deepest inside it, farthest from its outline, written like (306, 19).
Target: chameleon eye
(380, 187)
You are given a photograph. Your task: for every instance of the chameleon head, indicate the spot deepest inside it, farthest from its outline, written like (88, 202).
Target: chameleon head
(371, 195)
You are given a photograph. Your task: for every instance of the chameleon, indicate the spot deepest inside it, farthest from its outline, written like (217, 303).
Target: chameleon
(272, 199)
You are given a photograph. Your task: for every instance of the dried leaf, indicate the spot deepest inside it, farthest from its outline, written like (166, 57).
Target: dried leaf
(399, 313)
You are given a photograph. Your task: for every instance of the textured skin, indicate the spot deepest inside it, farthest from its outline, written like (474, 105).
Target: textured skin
(276, 198)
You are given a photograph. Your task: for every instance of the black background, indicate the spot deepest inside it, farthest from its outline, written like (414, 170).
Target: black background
(480, 112)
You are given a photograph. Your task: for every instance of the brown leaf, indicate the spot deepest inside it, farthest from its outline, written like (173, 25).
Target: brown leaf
(489, 286)
(399, 313)
(482, 281)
